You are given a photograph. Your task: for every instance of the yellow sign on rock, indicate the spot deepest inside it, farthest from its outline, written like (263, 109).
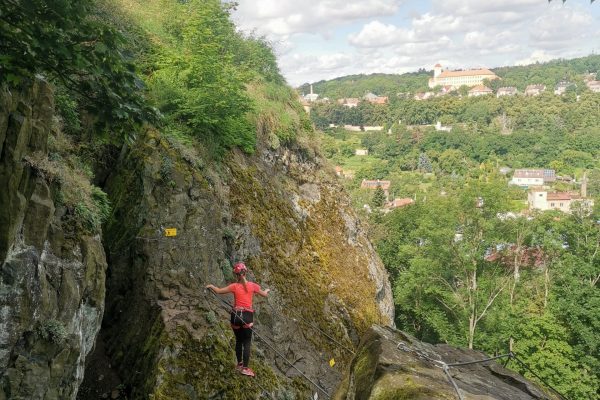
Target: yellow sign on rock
(169, 232)
(331, 363)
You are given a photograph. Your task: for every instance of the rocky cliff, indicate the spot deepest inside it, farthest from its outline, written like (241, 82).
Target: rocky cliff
(279, 210)
(51, 267)
(393, 365)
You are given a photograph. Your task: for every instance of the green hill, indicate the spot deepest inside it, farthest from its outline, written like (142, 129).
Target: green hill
(548, 73)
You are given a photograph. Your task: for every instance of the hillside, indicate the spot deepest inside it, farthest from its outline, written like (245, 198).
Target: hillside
(359, 85)
(473, 259)
(547, 73)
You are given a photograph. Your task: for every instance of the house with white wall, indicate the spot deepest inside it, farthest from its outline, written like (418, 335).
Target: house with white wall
(532, 177)
(562, 201)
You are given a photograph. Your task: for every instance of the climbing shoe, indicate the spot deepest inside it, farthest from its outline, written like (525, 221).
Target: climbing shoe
(247, 371)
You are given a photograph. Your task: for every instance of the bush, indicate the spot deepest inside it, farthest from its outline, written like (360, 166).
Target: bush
(52, 331)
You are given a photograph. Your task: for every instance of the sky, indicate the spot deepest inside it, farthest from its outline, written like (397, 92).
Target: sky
(324, 39)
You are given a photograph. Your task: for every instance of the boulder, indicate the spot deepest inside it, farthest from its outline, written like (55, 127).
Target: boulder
(390, 364)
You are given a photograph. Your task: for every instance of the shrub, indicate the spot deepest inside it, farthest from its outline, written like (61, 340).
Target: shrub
(52, 331)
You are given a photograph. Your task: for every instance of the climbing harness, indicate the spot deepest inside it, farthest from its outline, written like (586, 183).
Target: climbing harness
(446, 366)
(255, 381)
(316, 385)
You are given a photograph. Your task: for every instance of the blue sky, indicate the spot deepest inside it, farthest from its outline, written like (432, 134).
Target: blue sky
(323, 39)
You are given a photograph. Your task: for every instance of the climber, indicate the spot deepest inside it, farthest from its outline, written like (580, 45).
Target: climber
(242, 315)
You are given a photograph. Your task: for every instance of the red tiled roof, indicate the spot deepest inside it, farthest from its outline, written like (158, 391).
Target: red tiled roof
(365, 184)
(559, 196)
(438, 65)
(480, 88)
(529, 173)
(401, 202)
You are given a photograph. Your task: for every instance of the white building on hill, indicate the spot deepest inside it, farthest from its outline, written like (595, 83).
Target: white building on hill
(507, 91)
(532, 177)
(456, 79)
(480, 90)
(561, 201)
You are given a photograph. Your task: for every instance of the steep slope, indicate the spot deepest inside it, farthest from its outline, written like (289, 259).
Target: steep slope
(51, 266)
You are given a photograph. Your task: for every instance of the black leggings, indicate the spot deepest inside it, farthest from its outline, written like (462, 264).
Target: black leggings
(243, 336)
(243, 341)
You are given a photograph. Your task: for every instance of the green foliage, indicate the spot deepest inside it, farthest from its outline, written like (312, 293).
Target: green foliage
(424, 163)
(52, 331)
(65, 40)
(378, 197)
(438, 252)
(68, 108)
(541, 342)
(93, 214)
(198, 85)
(380, 84)
(278, 116)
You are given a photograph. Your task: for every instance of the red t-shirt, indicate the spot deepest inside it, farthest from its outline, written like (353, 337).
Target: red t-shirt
(243, 298)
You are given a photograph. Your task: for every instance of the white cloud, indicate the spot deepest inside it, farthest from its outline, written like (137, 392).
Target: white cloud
(458, 33)
(285, 17)
(535, 56)
(377, 34)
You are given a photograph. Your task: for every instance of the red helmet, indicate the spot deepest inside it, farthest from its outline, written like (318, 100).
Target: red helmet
(239, 268)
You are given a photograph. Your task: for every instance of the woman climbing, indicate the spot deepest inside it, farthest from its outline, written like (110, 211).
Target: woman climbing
(242, 315)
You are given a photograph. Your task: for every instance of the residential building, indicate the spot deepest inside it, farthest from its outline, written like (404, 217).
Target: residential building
(507, 91)
(361, 152)
(311, 97)
(372, 185)
(594, 86)
(480, 90)
(398, 202)
(424, 96)
(506, 254)
(561, 87)
(456, 79)
(305, 105)
(374, 99)
(532, 177)
(534, 90)
(446, 89)
(349, 102)
(561, 201)
(440, 127)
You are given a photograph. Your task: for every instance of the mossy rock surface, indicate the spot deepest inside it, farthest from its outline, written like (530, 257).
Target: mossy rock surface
(391, 365)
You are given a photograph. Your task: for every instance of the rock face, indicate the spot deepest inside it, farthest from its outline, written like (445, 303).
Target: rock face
(392, 365)
(51, 277)
(279, 211)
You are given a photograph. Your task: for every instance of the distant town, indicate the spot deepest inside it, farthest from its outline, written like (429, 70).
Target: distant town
(444, 82)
